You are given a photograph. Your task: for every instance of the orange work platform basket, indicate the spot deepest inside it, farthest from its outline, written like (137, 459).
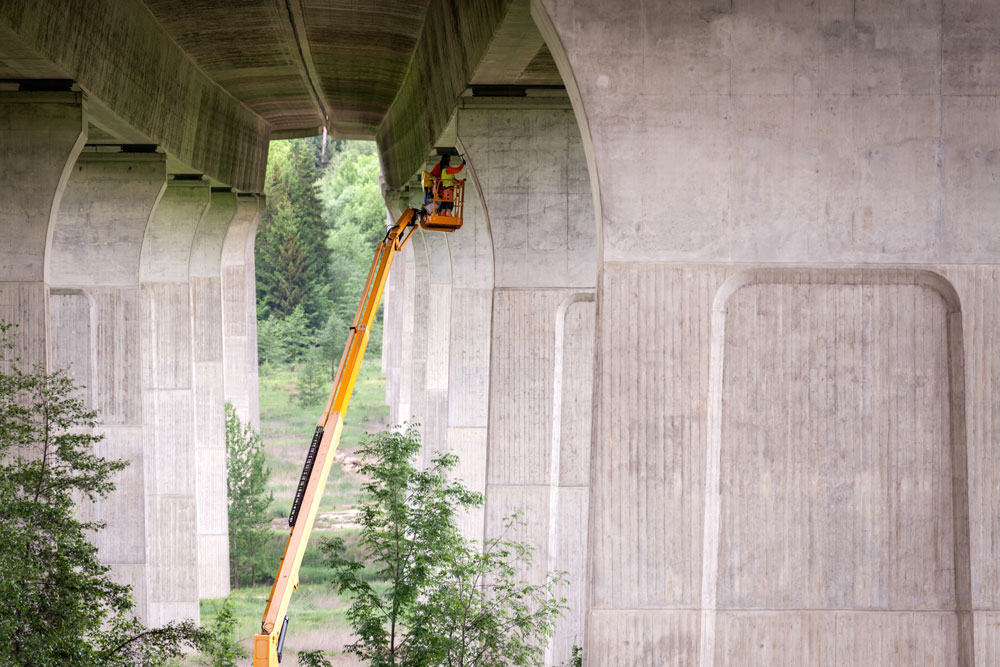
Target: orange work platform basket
(444, 207)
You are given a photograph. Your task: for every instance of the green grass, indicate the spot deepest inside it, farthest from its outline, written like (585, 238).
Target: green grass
(287, 429)
(317, 614)
(317, 620)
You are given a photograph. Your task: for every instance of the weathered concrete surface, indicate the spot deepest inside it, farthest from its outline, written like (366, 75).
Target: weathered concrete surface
(239, 310)
(785, 222)
(782, 474)
(40, 136)
(95, 322)
(168, 400)
(208, 382)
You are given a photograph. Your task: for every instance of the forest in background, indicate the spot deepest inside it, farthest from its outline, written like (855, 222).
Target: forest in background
(324, 217)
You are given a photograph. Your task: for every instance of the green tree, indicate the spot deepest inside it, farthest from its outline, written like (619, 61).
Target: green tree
(438, 598)
(281, 340)
(292, 256)
(60, 605)
(351, 194)
(312, 659)
(220, 647)
(249, 499)
(313, 382)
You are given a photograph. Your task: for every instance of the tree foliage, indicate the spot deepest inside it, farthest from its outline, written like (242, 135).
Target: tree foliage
(61, 607)
(282, 340)
(220, 647)
(249, 499)
(312, 659)
(292, 257)
(438, 599)
(324, 218)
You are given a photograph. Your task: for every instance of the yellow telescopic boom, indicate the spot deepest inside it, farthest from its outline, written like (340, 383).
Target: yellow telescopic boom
(267, 646)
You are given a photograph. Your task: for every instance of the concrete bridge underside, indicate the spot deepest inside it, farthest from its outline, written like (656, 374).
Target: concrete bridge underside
(722, 318)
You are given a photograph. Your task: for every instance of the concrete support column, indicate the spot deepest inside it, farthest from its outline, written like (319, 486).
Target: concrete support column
(168, 400)
(209, 394)
(797, 362)
(469, 345)
(239, 309)
(41, 133)
(96, 307)
(430, 341)
(542, 227)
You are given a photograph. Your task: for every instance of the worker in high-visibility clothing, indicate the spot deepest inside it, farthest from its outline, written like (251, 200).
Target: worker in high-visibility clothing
(446, 179)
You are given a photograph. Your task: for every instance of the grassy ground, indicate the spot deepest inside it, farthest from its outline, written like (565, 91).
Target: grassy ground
(287, 429)
(317, 613)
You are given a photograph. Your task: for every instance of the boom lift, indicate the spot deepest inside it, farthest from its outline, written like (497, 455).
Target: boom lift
(268, 644)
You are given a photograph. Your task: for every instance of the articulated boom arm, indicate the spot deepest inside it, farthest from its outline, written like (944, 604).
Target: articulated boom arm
(267, 645)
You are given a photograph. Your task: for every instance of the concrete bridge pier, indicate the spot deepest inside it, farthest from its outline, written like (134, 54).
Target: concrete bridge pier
(239, 309)
(541, 222)
(521, 269)
(208, 382)
(96, 324)
(116, 272)
(41, 134)
(168, 399)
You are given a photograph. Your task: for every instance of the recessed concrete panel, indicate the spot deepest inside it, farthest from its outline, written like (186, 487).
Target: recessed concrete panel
(469, 444)
(822, 639)
(650, 432)
(469, 357)
(521, 413)
(173, 580)
(836, 447)
(71, 341)
(213, 566)
(124, 510)
(206, 316)
(212, 501)
(209, 409)
(166, 335)
(978, 289)
(438, 330)
(575, 389)
(567, 553)
(532, 505)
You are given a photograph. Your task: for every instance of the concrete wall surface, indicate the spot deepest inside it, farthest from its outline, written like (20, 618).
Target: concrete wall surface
(793, 459)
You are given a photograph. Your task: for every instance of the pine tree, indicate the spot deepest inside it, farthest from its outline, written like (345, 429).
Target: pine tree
(292, 254)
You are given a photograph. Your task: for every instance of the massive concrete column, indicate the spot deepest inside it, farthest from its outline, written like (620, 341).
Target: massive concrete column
(795, 364)
(92, 267)
(469, 345)
(41, 133)
(239, 310)
(430, 346)
(168, 400)
(209, 394)
(541, 222)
